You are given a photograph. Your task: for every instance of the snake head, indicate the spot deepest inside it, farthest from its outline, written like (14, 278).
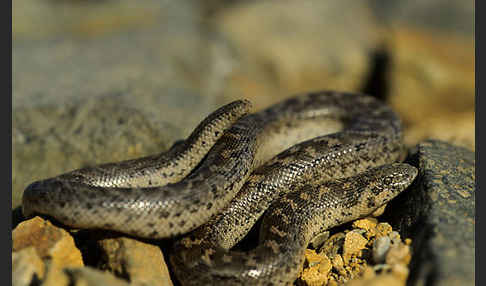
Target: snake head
(399, 175)
(391, 180)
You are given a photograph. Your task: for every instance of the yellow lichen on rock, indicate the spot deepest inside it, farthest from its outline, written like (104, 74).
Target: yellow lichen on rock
(318, 269)
(53, 246)
(49, 241)
(353, 244)
(369, 254)
(366, 223)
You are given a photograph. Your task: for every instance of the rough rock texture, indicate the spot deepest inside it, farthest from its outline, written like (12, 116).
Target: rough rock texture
(104, 81)
(317, 268)
(37, 245)
(349, 256)
(70, 136)
(140, 263)
(439, 213)
(51, 242)
(45, 253)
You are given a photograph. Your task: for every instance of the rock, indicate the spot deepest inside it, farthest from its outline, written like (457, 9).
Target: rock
(380, 280)
(65, 137)
(367, 223)
(50, 242)
(317, 268)
(85, 276)
(453, 17)
(398, 254)
(333, 245)
(27, 267)
(52, 245)
(430, 47)
(372, 227)
(56, 276)
(382, 229)
(319, 239)
(432, 88)
(369, 253)
(140, 263)
(338, 264)
(286, 47)
(353, 244)
(438, 211)
(107, 81)
(380, 248)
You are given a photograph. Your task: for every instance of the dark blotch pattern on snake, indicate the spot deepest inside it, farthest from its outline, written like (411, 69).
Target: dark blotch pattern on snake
(278, 161)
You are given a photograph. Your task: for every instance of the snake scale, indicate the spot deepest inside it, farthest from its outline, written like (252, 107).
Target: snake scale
(304, 165)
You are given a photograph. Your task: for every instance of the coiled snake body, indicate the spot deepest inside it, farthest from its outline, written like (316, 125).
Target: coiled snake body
(233, 168)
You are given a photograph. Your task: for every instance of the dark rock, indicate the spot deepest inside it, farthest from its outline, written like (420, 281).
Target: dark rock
(438, 213)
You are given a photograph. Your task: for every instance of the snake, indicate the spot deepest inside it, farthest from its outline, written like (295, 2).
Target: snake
(301, 166)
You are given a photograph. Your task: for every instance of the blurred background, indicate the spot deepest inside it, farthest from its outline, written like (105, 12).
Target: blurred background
(100, 81)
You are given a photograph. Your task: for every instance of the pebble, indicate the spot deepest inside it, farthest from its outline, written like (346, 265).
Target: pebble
(369, 253)
(380, 248)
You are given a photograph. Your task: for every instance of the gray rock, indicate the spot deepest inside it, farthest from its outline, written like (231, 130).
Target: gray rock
(49, 140)
(108, 81)
(83, 96)
(380, 248)
(438, 213)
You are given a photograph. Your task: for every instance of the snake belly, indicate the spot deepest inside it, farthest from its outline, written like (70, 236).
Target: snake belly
(178, 191)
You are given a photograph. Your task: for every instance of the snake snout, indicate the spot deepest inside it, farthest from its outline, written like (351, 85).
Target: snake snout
(406, 174)
(398, 176)
(32, 197)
